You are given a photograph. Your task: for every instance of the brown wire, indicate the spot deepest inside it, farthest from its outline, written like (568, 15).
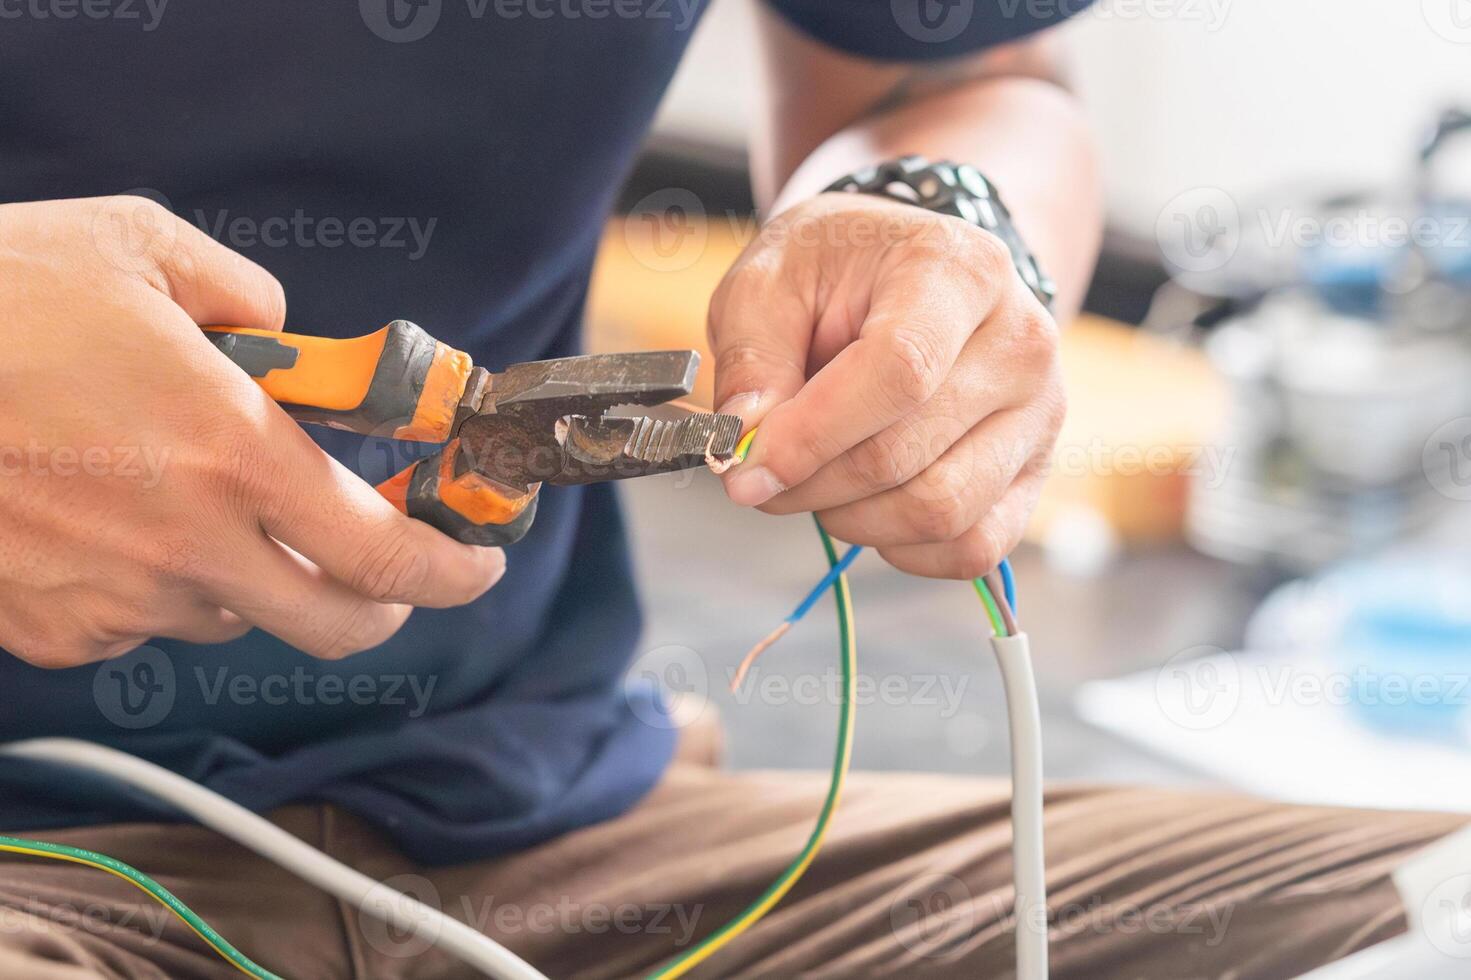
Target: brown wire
(756, 651)
(998, 592)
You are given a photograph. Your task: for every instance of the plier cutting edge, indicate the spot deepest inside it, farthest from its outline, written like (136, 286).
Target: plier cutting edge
(504, 433)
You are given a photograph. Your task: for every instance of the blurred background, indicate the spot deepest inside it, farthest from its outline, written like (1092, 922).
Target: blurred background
(1249, 566)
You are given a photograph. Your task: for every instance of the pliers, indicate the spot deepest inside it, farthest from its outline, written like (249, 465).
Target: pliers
(504, 433)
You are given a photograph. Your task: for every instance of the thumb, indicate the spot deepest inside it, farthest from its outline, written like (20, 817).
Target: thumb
(760, 334)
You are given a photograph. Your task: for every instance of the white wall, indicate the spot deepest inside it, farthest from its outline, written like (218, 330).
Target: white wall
(1244, 95)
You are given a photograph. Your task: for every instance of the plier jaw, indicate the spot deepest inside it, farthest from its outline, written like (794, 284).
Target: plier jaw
(504, 433)
(545, 422)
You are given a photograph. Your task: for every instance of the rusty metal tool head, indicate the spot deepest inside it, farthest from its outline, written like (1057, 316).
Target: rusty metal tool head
(546, 421)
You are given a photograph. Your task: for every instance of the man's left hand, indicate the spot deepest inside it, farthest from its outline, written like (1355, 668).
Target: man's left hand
(905, 380)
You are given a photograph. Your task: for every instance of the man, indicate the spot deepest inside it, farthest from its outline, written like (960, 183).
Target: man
(454, 164)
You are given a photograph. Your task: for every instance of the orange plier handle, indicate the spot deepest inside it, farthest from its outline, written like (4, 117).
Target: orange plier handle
(397, 382)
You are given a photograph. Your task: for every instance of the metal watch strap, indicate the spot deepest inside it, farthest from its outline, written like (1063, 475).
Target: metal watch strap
(958, 190)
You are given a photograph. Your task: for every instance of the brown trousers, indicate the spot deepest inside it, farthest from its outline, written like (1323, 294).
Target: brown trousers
(914, 881)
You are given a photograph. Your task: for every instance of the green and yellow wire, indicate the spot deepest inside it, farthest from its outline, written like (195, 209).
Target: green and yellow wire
(691, 958)
(166, 898)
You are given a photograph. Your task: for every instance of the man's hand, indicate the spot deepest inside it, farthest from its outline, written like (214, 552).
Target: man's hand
(905, 380)
(148, 487)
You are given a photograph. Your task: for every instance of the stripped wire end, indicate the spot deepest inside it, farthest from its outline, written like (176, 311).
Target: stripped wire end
(718, 466)
(756, 651)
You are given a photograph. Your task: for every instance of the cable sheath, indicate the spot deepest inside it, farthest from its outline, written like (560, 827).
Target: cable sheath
(1024, 720)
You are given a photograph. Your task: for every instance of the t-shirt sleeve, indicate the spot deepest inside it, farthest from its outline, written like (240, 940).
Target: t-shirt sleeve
(922, 30)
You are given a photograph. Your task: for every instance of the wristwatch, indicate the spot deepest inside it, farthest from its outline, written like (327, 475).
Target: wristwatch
(958, 190)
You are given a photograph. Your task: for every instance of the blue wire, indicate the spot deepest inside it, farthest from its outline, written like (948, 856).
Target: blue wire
(1008, 583)
(805, 606)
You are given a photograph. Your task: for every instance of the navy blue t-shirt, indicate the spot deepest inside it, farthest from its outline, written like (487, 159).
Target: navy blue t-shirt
(447, 161)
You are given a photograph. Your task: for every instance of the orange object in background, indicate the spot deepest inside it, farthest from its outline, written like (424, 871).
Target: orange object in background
(1141, 410)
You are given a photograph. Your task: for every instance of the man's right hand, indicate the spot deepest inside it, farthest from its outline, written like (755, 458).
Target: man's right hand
(149, 488)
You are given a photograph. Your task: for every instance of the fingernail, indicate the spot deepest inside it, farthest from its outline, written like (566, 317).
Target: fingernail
(753, 486)
(744, 404)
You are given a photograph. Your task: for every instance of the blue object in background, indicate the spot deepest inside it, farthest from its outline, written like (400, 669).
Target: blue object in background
(1356, 278)
(1404, 646)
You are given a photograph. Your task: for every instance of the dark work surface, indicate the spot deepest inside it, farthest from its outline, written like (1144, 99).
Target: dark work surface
(715, 578)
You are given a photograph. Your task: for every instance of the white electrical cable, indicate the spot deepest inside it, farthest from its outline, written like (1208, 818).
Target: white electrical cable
(266, 839)
(1024, 719)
